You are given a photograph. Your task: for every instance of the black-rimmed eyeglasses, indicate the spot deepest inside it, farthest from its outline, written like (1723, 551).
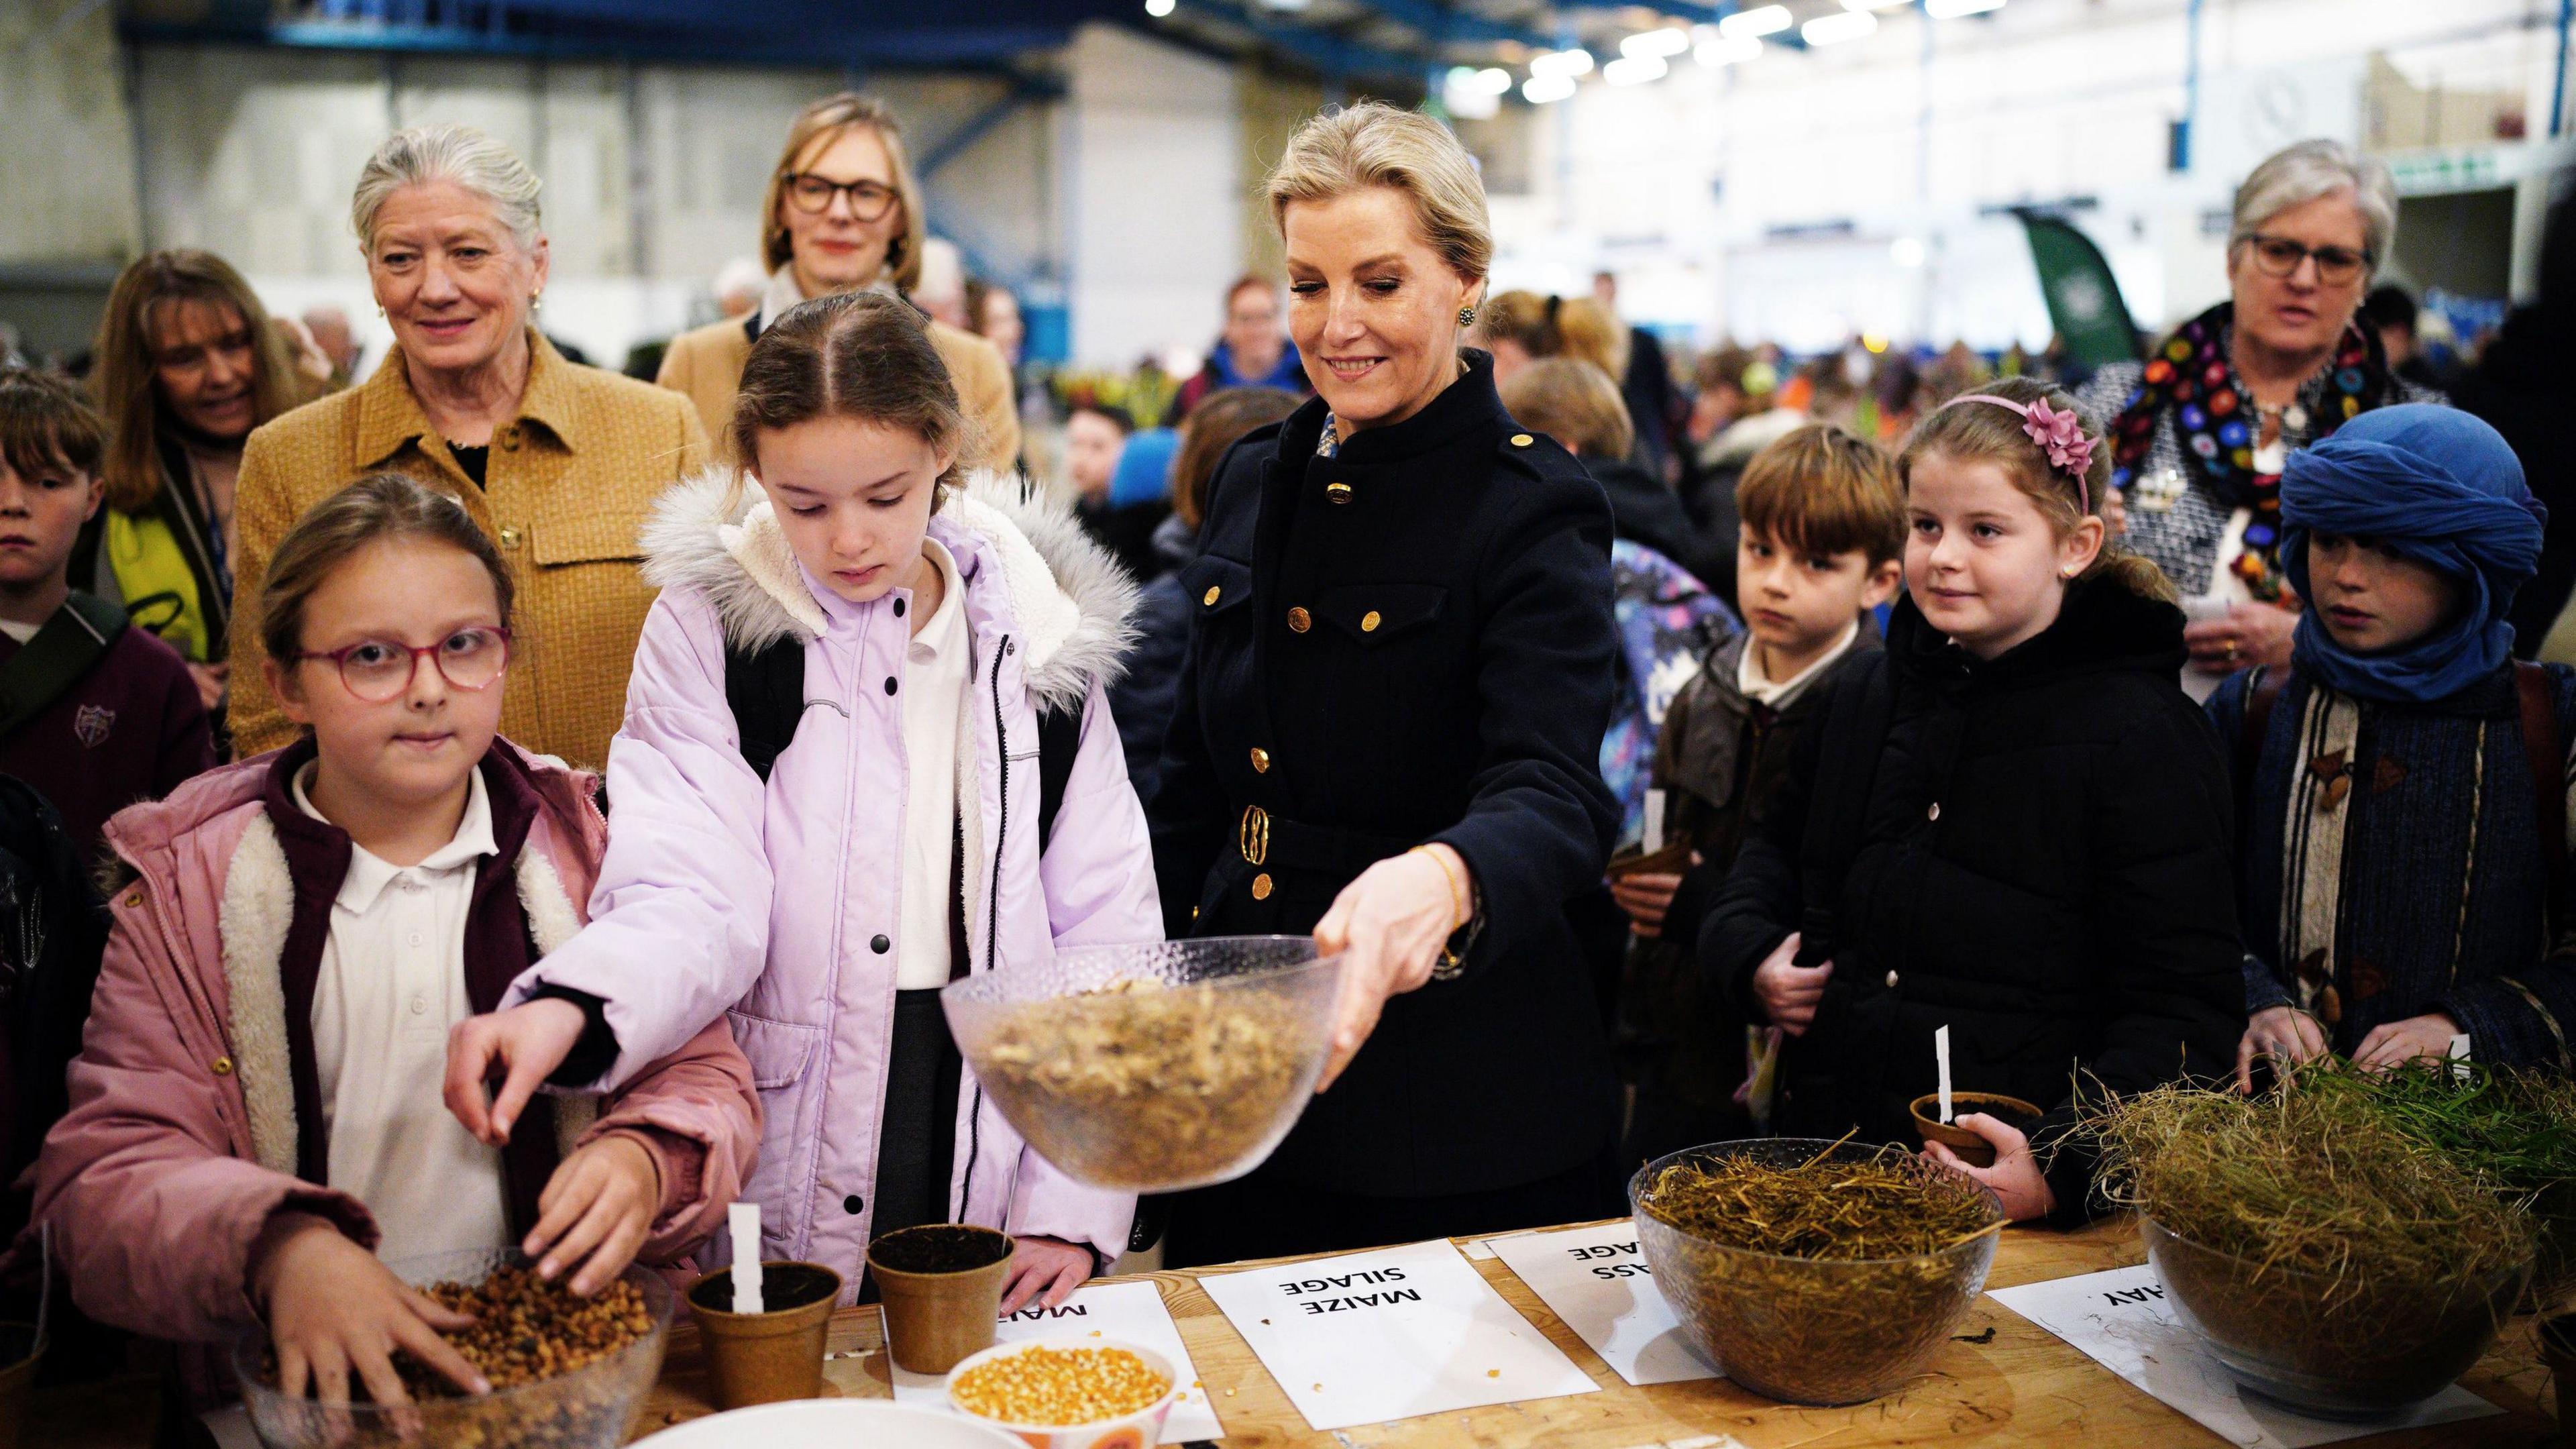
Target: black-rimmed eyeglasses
(812, 194)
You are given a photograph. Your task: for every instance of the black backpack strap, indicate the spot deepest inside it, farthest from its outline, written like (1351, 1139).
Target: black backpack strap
(766, 689)
(1853, 735)
(1059, 740)
(47, 666)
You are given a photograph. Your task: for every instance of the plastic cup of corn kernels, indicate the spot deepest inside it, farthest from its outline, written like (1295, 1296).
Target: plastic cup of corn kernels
(1077, 1392)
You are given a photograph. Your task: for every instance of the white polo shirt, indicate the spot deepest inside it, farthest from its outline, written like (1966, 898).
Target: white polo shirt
(392, 984)
(934, 701)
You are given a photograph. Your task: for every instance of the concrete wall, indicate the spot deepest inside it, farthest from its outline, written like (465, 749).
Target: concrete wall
(69, 174)
(1153, 176)
(1767, 199)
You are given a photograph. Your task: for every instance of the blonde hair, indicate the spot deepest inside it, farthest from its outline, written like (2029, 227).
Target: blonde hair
(123, 383)
(1968, 431)
(1375, 144)
(1517, 316)
(831, 118)
(1824, 489)
(1573, 402)
(448, 152)
(1587, 330)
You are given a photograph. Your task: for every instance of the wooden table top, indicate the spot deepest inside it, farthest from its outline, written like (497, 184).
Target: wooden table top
(2019, 1386)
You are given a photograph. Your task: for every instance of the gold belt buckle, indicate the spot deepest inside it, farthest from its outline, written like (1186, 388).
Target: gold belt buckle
(1252, 837)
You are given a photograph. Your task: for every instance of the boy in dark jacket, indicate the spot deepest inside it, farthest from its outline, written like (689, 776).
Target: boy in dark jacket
(93, 713)
(2402, 858)
(1823, 529)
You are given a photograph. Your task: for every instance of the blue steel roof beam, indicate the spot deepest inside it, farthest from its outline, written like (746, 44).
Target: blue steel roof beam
(1335, 56)
(1682, 10)
(925, 49)
(981, 124)
(1446, 25)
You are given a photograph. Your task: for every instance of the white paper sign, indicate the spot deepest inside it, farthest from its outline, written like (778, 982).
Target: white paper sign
(1132, 1311)
(1598, 1282)
(2120, 1319)
(1370, 1337)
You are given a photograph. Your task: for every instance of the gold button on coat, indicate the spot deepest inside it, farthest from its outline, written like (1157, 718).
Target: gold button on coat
(1261, 887)
(510, 538)
(1891, 981)
(1260, 760)
(1299, 621)
(1369, 622)
(1934, 813)
(1522, 440)
(223, 1066)
(1215, 591)
(509, 440)
(1337, 493)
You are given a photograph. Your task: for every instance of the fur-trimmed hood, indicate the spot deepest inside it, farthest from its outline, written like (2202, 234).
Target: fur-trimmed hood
(1065, 595)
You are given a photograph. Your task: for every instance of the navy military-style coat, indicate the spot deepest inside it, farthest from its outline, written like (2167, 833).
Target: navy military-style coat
(1409, 640)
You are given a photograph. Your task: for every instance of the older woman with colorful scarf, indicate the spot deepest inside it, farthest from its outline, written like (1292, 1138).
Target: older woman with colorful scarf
(2403, 843)
(2199, 431)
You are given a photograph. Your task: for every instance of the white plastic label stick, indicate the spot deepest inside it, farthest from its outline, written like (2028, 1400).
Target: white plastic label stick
(1654, 821)
(1941, 1052)
(744, 1218)
(2460, 1055)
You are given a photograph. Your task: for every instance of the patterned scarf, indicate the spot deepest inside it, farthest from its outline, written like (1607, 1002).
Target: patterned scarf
(2191, 379)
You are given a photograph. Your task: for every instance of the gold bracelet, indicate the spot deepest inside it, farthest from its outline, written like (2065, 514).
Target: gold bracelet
(1451, 876)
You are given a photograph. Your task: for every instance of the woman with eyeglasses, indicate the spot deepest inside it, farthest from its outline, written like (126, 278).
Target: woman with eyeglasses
(844, 212)
(2199, 431)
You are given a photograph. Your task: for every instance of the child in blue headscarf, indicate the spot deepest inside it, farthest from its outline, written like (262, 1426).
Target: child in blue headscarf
(2403, 855)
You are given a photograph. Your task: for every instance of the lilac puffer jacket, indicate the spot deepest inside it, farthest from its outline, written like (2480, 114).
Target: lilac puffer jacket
(722, 896)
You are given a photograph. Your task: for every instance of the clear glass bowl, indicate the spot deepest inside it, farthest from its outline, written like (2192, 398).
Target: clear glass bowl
(1811, 1330)
(589, 1408)
(1157, 1067)
(2376, 1352)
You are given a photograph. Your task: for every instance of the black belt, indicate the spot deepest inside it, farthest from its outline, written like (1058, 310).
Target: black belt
(1265, 840)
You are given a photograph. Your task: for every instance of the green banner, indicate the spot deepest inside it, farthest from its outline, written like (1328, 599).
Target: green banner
(2084, 302)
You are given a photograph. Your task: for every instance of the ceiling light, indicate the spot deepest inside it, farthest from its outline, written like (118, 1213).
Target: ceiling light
(1160, 8)
(1766, 20)
(1493, 80)
(1835, 29)
(1629, 70)
(1953, 9)
(1655, 43)
(1716, 50)
(1566, 63)
(1875, 4)
(1539, 90)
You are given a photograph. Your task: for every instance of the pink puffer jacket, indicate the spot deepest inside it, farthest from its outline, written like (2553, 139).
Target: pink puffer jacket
(775, 903)
(181, 1138)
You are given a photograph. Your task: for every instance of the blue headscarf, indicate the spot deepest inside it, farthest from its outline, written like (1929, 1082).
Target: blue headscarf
(2441, 487)
(1144, 467)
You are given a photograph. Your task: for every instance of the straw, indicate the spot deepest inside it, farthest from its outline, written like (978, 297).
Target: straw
(744, 1218)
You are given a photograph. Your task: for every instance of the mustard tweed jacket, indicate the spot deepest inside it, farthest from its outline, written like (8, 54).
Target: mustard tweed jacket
(569, 484)
(706, 364)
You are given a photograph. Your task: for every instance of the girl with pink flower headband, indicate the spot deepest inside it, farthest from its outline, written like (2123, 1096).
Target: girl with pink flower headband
(2014, 829)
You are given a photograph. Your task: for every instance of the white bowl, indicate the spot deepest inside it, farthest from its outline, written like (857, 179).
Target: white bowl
(833, 1424)
(1137, 1430)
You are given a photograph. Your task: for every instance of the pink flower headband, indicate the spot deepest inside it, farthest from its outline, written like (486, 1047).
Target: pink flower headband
(2059, 434)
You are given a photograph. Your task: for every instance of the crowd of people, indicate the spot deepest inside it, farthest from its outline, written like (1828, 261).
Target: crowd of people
(537, 807)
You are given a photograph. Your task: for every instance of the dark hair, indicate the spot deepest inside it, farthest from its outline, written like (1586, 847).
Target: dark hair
(1119, 417)
(378, 508)
(1824, 489)
(865, 355)
(1979, 432)
(44, 421)
(1216, 424)
(2389, 306)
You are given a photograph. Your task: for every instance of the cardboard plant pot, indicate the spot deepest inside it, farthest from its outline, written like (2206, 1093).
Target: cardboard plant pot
(777, 1353)
(942, 1288)
(1968, 1146)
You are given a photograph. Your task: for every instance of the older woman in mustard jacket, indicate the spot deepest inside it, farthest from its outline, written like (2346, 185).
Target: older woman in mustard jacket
(558, 462)
(843, 212)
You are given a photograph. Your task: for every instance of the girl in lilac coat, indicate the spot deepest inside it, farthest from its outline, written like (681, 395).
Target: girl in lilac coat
(894, 844)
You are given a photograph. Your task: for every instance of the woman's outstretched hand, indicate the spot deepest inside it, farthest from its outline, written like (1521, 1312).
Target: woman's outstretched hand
(1389, 926)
